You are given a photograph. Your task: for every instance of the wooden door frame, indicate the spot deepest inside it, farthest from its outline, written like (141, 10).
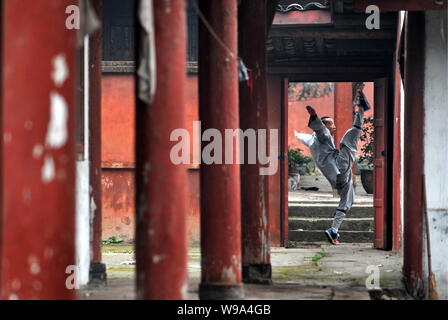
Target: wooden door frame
(284, 215)
(382, 116)
(390, 116)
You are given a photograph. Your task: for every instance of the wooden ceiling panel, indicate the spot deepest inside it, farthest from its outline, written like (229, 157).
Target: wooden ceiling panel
(348, 38)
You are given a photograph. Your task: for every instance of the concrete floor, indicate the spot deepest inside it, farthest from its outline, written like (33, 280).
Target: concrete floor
(318, 272)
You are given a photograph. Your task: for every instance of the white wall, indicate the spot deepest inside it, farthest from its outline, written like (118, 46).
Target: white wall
(83, 210)
(82, 221)
(436, 143)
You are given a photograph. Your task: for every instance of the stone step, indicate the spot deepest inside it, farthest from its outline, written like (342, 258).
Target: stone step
(319, 236)
(353, 224)
(320, 210)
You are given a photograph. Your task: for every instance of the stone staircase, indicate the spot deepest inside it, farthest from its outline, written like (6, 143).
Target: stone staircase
(308, 221)
(312, 213)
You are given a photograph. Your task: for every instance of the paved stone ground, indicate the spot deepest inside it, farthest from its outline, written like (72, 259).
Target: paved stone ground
(318, 272)
(313, 271)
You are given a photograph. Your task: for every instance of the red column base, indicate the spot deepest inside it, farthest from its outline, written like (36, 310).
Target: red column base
(97, 274)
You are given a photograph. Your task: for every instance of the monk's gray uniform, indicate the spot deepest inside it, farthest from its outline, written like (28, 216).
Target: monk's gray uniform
(336, 165)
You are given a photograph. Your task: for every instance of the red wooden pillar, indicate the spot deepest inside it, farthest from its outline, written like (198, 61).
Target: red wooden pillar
(380, 164)
(274, 85)
(413, 152)
(161, 196)
(397, 164)
(220, 183)
(97, 269)
(38, 153)
(253, 115)
(343, 112)
(343, 109)
(284, 212)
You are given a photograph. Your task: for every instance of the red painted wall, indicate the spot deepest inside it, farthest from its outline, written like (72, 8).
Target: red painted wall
(343, 116)
(118, 121)
(118, 159)
(118, 203)
(192, 100)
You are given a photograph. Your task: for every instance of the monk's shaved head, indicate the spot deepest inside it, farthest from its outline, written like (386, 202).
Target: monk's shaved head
(329, 123)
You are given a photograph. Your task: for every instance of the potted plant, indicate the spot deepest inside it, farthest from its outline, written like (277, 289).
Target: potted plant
(297, 164)
(367, 155)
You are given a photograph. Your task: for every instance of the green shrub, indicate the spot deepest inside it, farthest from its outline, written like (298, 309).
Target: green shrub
(366, 159)
(296, 160)
(112, 240)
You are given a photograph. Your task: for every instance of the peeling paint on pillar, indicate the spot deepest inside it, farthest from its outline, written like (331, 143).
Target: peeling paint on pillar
(228, 275)
(38, 150)
(48, 169)
(60, 70)
(57, 126)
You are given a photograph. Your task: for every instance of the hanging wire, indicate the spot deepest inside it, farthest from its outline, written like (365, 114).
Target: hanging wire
(243, 71)
(210, 29)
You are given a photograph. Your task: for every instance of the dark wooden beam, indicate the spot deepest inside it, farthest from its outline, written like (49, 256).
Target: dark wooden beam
(320, 46)
(337, 6)
(338, 77)
(328, 71)
(331, 33)
(398, 5)
(358, 20)
(364, 61)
